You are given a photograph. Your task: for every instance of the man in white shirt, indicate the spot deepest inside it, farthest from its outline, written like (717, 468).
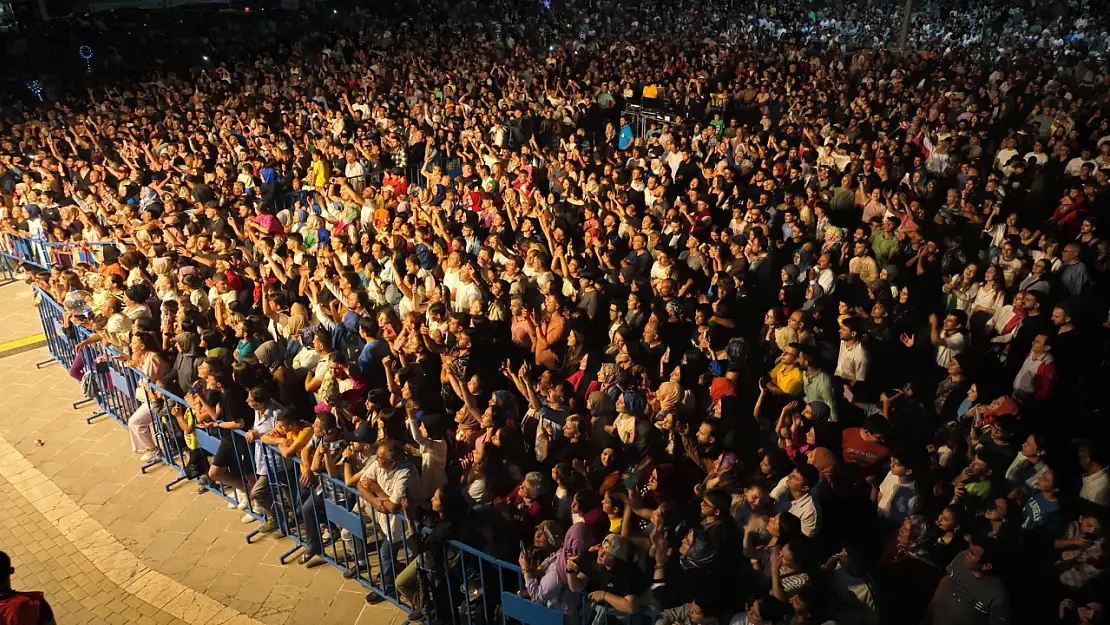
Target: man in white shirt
(1077, 163)
(948, 339)
(384, 484)
(355, 172)
(1006, 153)
(853, 362)
(802, 504)
(265, 420)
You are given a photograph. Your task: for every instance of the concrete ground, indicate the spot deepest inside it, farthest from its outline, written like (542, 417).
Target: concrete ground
(108, 544)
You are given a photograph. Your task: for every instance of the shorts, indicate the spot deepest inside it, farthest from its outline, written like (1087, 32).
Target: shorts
(234, 456)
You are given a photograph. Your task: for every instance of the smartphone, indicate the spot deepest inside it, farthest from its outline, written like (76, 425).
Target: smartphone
(522, 547)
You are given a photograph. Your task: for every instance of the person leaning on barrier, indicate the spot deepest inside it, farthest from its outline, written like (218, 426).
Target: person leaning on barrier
(320, 456)
(266, 412)
(231, 464)
(445, 520)
(385, 482)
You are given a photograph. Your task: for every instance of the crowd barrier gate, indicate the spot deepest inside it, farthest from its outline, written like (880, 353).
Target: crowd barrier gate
(469, 588)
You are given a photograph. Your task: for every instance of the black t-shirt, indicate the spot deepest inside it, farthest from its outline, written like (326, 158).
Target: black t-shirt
(623, 579)
(234, 407)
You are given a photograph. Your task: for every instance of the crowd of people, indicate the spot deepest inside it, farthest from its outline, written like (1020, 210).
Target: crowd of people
(825, 347)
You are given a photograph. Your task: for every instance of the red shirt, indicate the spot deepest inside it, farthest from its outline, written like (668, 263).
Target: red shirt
(868, 455)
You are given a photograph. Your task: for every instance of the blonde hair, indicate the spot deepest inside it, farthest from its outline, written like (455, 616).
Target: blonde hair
(298, 319)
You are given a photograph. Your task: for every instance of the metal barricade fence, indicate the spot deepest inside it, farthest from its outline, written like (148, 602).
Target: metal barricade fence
(24, 250)
(322, 515)
(69, 255)
(288, 200)
(59, 337)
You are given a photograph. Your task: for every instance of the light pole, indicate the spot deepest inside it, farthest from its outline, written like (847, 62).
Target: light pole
(905, 27)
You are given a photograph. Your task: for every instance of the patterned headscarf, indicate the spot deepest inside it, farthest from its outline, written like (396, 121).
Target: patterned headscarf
(833, 236)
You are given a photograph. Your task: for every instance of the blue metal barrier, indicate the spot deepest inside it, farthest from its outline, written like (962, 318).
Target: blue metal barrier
(288, 200)
(69, 255)
(24, 250)
(320, 514)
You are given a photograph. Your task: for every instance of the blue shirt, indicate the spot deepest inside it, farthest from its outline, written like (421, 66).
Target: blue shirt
(370, 362)
(1075, 278)
(1040, 513)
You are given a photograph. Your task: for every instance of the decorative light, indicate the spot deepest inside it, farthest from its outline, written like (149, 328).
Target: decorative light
(36, 88)
(87, 54)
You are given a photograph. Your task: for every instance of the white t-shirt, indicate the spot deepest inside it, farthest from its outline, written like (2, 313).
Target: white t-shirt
(463, 294)
(852, 363)
(896, 500)
(1004, 156)
(396, 484)
(953, 345)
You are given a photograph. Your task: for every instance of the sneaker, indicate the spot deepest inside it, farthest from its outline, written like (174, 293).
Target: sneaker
(416, 616)
(243, 500)
(248, 518)
(149, 456)
(350, 573)
(374, 598)
(267, 526)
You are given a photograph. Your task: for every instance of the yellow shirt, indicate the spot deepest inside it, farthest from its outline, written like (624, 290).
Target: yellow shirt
(790, 381)
(651, 91)
(319, 174)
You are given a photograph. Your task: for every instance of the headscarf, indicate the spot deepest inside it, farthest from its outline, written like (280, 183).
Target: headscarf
(820, 411)
(269, 354)
(669, 396)
(666, 476)
(833, 236)
(805, 260)
(891, 273)
(600, 404)
(791, 274)
(607, 374)
(824, 461)
(222, 354)
(634, 403)
(721, 387)
(818, 293)
(576, 543)
(701, 554)
(188, 343)
(917, 531)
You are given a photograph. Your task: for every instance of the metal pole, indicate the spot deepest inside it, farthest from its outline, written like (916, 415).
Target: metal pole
(905, 26)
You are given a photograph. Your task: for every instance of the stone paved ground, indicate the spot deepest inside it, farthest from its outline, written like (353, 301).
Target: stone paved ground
(158, 556)
(19, 319)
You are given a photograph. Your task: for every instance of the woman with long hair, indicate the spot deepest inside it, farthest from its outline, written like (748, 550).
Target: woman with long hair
(146, 359)
(445, 521)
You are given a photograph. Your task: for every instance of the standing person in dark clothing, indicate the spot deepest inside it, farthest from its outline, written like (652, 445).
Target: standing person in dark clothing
(971, 591)
(21, 608)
